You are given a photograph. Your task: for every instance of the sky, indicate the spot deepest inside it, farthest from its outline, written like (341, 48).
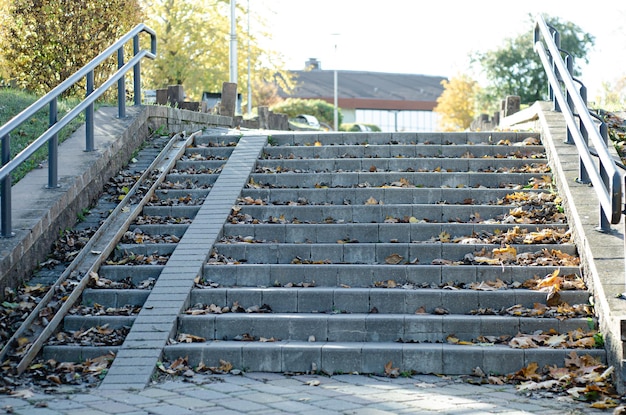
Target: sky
(433, 37)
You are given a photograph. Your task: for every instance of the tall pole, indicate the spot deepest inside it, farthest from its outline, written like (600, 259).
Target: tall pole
(249, 76)
(233, 43)
(335, 115)
(335, 92)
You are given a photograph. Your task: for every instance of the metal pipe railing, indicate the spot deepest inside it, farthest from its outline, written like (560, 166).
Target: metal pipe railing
(606, 179)
(87, 105)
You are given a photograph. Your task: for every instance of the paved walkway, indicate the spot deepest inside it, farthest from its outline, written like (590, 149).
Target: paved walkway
(271, 393)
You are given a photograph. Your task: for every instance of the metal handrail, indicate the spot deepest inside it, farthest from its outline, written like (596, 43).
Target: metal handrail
(605, 178)
(87, 105)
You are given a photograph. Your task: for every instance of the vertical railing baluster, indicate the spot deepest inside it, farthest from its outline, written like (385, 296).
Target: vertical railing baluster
(5, 189)
(53, 148)
(89, 129)
(121, 91)
(136, 73)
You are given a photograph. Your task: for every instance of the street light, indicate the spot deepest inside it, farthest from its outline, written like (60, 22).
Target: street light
(335, 114)
(233, 42)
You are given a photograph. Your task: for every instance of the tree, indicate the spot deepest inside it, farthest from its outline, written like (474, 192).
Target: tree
(194, 47)
(42, 43)
(456, 105)
(515, 68)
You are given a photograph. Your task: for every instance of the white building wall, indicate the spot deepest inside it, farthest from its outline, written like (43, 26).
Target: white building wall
(403, 120)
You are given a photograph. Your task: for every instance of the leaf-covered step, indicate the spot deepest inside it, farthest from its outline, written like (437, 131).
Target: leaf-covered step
(461, 233)
(394, 179)
(512, 331)
(342, 165)
(370, 275)
(396, 253)
(370, 152)
(500, 138)
(408, 300)
(392, 195)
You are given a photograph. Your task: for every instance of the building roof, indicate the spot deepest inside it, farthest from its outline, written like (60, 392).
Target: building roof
(369, 90)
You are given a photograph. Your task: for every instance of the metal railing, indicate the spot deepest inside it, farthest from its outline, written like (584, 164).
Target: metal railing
(570, 97)
(50, 136)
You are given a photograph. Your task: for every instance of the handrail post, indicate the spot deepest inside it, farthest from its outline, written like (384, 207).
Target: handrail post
(581, 124)
(568, 97)
(136, 73)
(121, 92)
(605, 224)
(89, 130)
(53, 149)
(624, 220)
(5, 189)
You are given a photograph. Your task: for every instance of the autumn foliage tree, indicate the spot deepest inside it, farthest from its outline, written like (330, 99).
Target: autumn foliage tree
(42, 43)
(194, 46)
(456, 105)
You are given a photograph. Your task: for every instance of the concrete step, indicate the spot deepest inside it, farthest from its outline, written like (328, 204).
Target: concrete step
(374, 213)
(370, 152)
(362, 253)
(350, 357)
(390, 165)
(385, 300)
(391, 195)
(366, 232)
(367, 275)
(503, 138)
(367, 328)
(368, 179)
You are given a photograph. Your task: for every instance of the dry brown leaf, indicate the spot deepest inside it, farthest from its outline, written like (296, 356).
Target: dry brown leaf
(190, 338)
(390, 371)
(421, 310)
(394, 259)
(522, 342)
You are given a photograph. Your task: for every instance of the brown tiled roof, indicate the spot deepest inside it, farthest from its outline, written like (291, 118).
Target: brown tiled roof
(369, 90)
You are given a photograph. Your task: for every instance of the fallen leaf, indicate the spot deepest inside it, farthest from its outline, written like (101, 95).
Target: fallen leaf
(394, 259)
(390, 371)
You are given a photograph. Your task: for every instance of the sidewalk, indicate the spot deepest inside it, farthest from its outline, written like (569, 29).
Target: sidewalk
(271, 393)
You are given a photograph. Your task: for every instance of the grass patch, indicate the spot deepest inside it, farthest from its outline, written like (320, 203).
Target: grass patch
(12, 102)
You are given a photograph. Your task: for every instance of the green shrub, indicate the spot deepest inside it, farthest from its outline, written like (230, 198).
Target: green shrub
(322, 110)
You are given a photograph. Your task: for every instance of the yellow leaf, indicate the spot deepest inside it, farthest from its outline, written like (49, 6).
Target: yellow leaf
(507, 254)
(413, 219)
(444, 237)
(317, 144)
(452, 339)
(605, 404)
(371, 201)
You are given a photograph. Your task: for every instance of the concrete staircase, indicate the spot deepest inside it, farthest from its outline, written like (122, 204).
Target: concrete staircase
(369, 253)
(350, 251)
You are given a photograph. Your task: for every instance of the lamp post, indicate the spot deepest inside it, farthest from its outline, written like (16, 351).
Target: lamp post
(233, 43)
(335, 98)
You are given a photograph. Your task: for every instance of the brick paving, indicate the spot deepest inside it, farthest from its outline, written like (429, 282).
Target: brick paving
(272, 393)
